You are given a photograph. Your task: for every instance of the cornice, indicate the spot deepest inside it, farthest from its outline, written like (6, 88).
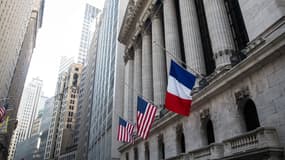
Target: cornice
(134, 19)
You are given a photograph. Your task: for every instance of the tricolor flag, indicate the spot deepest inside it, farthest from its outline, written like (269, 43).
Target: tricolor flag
(145, 117)
(180, 83)
(125, 131)
(2, 113)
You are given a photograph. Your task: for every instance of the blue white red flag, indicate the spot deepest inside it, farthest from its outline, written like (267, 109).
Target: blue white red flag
(145, 117)
(178, 96)
(125, 131)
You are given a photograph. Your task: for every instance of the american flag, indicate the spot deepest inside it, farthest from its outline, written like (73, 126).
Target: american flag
(2, 113)
(125, 131)
(145, 117)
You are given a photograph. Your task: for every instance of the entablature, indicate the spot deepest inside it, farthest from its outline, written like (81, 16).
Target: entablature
(136, 15)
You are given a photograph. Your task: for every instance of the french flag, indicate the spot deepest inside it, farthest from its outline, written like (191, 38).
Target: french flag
(180, 83)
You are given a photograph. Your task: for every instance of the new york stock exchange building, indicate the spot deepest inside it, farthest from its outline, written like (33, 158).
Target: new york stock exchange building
(238, 107)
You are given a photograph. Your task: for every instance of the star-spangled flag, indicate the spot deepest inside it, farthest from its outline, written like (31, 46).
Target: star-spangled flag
(145, 117)
(125, 131)
(178, 97)
(2, 113)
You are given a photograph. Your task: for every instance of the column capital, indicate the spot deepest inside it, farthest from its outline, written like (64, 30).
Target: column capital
(156, 14)
(146, 31)
(129, 55)
(138, 43)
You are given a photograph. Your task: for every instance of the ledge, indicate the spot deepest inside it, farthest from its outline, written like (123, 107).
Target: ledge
(134, 19)
(227, 150)
(262, 137)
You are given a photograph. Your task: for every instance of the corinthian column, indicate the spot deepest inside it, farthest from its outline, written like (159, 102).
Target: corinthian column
(128, 92)
(220, 31)
(147, 86)
(137, 74)
(191, 36)
(172, 42)
(158, 61)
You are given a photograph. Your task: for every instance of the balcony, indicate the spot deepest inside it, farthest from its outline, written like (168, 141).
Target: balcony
(212, 151)
(182, 156)
(261, 143)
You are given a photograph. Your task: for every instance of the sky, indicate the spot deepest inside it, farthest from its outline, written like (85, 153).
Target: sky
(59, 36)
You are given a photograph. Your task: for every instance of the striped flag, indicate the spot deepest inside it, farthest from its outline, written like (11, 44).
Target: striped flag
(2, 113)
(145, 117)
(125, 131)
(178, 97)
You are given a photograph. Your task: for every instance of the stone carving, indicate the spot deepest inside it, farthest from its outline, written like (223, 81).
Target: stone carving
(242, 94)
(204, 114)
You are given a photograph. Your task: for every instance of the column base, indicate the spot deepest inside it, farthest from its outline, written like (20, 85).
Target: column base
(223, 68)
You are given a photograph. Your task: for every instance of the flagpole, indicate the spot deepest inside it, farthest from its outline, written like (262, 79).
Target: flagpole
(172, 55)
(180, 61)
(139, 94)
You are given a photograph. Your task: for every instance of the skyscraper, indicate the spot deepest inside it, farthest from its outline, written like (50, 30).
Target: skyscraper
(87, 31)
(65, 63)
(14, 21)
(62, 127)
(27, 113)
(47, 114)
(103, 114)
(85, 100)
(21, 56)
(46, 117)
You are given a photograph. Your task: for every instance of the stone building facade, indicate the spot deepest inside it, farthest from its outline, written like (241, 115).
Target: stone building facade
(237, 46)
(60, 139)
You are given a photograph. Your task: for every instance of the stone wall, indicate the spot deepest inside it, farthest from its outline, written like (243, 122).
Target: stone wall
(260, 15)
(265, 81)
(260, 76)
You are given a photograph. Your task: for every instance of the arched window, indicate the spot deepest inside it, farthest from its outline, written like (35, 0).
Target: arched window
(180, 139)
(127, 156)
(136, 156)
(161, 147)
(146, 151)
(250, 115)
(210, 132)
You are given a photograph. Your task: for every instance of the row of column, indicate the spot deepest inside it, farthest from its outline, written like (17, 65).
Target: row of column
(146, 71)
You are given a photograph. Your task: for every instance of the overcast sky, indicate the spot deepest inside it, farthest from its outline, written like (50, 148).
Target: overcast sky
(59, 36)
